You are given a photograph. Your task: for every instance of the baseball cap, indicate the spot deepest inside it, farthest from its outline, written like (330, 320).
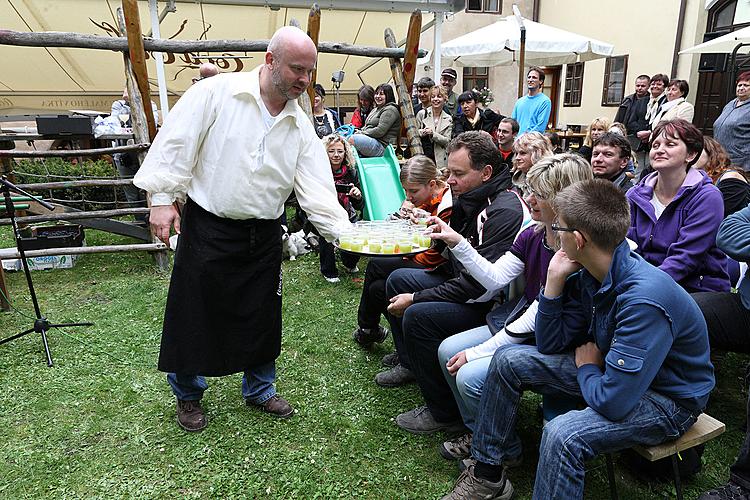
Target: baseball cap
(450, 73)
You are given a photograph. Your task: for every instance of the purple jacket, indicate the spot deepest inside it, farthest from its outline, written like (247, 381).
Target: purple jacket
(682, 243)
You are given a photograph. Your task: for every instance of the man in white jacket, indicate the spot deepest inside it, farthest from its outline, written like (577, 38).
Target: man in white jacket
(234, 147)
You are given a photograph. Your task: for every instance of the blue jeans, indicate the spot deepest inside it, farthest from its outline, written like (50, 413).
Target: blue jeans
(467, 383)
(367, 146)
(421, 330)
(257, 384)
(570, 439)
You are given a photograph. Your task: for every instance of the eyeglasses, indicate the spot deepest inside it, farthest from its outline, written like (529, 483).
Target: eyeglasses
(558, 228)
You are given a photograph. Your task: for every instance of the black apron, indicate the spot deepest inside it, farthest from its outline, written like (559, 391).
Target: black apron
(223, 312)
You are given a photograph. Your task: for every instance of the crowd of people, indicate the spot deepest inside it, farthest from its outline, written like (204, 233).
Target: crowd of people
(599, 279)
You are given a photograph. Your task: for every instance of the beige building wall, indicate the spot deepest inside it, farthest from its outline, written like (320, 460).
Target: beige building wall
(645, 30)
(503, 80)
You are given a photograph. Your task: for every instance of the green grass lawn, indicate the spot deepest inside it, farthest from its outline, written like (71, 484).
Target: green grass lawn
(101, 422)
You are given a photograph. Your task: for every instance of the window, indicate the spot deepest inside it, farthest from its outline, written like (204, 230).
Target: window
(476, 78)
(489, 6)
(573, 84)
(614, 80)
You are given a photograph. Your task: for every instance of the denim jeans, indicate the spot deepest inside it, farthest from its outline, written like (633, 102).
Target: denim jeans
(467, 384)
(570, 439)
(421, 330)
(367, 146)
(373, 302)
(257, 384)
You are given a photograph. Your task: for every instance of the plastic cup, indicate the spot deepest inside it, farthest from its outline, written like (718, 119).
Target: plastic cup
(356, 245)
(376, 246)
(388, 247)
(425, 240)
(345, 242)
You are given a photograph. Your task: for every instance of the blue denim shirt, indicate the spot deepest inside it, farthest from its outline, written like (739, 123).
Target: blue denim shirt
(649, 330)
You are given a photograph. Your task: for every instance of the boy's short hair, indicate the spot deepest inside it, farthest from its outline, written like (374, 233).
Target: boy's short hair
(425, 83)
(615, 141)
(514, 126)
(597, 208)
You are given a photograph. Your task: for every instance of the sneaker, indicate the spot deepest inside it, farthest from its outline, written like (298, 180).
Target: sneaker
(395, 377)
(470, 487)
(390, 360)
(730, 491)
(367, 336)
(420, 421)
(276, 406)
(456, 448)
(351, 270)
(510, 463)
(190, 415)
(332, 279)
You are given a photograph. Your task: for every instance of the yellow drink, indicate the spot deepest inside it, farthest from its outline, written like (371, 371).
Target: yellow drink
(425, 240)
(375, 246)
(388, 247)
(356, 245)
(345, 243)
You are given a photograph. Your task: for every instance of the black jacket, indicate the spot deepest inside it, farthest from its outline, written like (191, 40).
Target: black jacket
(632, 113)
(489, 217)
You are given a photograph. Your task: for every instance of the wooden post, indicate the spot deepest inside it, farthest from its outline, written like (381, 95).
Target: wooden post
(138, 109)
(412, 48)
(138, 61)
(407, 110)
(313, 31)
(6, 169)
(303, 100)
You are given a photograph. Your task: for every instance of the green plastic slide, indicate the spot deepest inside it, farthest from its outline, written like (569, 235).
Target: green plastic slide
(381, 187)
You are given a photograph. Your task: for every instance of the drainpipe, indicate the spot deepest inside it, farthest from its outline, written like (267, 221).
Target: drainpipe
(678, 38)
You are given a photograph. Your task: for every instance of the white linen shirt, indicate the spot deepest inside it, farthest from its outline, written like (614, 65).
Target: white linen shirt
(214, 148)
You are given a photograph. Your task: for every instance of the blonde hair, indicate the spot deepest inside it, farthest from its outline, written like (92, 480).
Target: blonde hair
(602, 122)
(348, 156)
(537, 144)
(440, 90)
(420, 169)
(551, 175)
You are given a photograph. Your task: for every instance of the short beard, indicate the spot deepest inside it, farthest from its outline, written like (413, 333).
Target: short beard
(277, 82)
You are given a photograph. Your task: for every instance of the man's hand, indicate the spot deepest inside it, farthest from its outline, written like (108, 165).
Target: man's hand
(456, 362)
(643, 135)
(355, 193)
(399, 303)
(589, 354)
(442, 231)
(162, 218)
(560, 267)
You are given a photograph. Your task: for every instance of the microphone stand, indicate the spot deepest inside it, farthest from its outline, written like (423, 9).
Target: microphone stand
(41, 325)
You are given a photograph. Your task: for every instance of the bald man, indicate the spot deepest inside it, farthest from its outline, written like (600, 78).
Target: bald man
(233, 148)
(206, 70)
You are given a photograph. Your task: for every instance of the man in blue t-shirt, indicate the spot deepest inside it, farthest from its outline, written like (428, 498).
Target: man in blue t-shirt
(532, 110)
(613, 332)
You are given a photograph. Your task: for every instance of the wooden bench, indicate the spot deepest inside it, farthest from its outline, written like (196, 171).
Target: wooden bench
(704, 429)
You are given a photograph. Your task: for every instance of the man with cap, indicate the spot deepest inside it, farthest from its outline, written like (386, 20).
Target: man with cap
(448, 81)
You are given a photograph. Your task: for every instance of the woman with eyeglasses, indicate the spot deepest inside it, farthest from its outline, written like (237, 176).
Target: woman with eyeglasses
(465, 357)
(675, 211)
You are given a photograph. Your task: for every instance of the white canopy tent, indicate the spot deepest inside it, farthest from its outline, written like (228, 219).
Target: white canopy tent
(725, 44)
(499, 43)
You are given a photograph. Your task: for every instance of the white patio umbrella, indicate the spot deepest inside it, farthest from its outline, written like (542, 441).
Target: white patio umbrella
(499, 43)
(724, 44)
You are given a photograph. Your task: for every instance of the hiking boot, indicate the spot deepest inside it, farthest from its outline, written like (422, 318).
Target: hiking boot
(390, 360)
(470, 487)
(457, 448)
(730, 491)
(368, 336)
(190, 415)
(395, 377)
(509, 463)
(275, 405)
(420, 421)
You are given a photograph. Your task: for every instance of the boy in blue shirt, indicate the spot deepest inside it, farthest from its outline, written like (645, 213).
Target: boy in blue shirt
(612, 330)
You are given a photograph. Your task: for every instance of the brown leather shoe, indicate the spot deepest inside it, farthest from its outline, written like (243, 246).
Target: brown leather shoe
(190, 415)
(276, 406)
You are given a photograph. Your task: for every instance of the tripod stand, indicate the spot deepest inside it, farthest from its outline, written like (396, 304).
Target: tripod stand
(41, 324)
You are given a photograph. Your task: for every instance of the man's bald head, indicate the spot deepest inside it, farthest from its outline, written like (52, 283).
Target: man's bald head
(289, 38)
(207, 70)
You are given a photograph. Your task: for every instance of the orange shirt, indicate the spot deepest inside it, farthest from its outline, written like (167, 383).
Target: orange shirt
(432, 258)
